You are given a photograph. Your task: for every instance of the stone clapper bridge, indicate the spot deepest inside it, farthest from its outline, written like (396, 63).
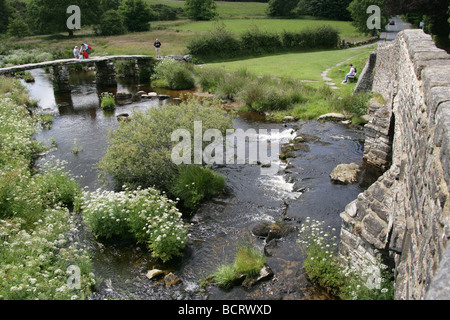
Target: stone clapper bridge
(105, 69)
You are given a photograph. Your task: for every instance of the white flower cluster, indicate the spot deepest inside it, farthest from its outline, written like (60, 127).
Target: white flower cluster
(146, 214)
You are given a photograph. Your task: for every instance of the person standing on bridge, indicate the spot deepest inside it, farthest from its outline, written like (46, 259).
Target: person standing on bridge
(76, 52)
(157, 45)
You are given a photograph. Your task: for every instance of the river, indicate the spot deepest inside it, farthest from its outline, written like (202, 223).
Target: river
(301, 189)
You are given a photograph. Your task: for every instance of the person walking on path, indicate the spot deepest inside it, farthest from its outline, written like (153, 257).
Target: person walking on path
(157, 45)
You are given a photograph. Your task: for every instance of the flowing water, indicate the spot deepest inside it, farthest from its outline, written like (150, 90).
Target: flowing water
(302, 188)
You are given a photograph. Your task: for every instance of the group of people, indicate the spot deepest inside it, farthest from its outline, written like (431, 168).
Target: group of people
(83, 52)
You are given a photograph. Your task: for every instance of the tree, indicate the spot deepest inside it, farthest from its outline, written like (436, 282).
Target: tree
(111, 24)
(281, 8)
(49, 16)
(436, 15)
(200, 9)
(358, 12)
(331, 9)
(18, 28)
(136, 15)
(5, 12)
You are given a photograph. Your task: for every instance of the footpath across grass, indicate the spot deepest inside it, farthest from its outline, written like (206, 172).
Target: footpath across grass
(302, 66)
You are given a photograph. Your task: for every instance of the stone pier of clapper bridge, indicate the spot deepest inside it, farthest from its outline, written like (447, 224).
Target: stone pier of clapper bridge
(105, 69)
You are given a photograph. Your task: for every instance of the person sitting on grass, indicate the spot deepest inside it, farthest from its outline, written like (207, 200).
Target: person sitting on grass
(352, 73)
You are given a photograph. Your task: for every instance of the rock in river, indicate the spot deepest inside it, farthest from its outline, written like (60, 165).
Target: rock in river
(345, 173)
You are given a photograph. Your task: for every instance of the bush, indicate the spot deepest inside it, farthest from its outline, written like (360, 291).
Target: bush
(21, 56)
(145, 215)
(255, 41)
(108, 102)
(174, 75)
(365, 280)
(35, 223)
(18, 28)
(140, 151)
(136, 15)
(209, 79)
(247, 263)
(111, 23)
(219, 43)
(195, 183)
(200, 9)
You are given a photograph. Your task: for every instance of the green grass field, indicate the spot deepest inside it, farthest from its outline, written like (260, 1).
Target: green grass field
(302, 65)
(226, 10)
(238, 26)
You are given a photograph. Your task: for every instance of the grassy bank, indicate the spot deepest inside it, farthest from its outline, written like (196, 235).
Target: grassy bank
(36, 255)
(302, 66)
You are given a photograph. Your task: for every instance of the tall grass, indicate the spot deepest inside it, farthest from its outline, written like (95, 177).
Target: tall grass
(247, 264)
(195, 183)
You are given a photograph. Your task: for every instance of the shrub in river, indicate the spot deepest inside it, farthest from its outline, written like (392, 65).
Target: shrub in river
(247, 263)
(195, 183)
(140, 151)
(174, 75)
(108, 102)
(145, 215)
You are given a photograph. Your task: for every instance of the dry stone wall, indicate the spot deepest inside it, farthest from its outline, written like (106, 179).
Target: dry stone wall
(405, 214)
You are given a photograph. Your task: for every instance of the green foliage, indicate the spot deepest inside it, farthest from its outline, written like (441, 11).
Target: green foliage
(18, 28)
(136, 15)
(195, 183)
(35, 223)
(140, 151)
(6, 11)
(174, 75)
(281, 8)
(108, 101)
(111, 23)
(209, 79)
(258, 93)
(220, 43)
(331, 9)
(356, 104)
(21, 56)
(145, 215)
(200, 9)
(364, 280)
(48, 16)
(247, 263)
(358, 12)
(255, 41)
(164, 12)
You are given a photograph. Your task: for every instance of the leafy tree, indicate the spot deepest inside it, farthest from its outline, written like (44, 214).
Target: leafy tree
(49, 16)
(136, 15)
(18, 28)
(200, 9)
(5, 12)
(436, 15)
(111, 23)
(281, 8)
(331, 9)
(358, 12)
(106, 5)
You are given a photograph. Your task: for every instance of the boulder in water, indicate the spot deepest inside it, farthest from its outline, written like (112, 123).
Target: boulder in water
(345, 173)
